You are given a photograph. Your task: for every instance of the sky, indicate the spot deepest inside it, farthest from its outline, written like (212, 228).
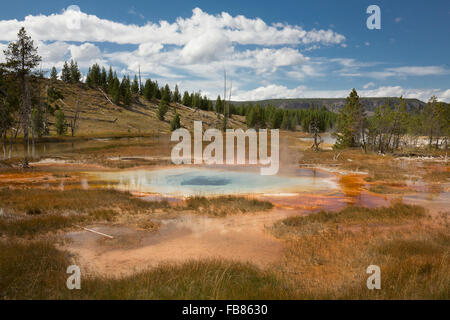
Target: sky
(269, 49)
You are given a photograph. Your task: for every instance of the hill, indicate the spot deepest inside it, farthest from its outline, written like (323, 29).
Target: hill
(98, 116)
(332, 104)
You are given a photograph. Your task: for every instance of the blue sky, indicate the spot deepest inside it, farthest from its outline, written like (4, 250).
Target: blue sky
(270, 49)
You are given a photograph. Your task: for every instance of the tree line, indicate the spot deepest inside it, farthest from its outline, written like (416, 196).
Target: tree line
(258, 116)
(392, 125)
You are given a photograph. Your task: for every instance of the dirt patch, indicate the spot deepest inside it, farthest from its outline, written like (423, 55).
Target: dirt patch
(237, 238)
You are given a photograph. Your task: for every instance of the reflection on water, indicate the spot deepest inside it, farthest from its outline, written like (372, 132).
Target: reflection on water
(196, 181)
(50, 149)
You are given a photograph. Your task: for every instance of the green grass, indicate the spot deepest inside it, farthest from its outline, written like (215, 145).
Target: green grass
(225, 205)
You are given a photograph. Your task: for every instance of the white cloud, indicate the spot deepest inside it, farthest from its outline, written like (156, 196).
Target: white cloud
(278, 91)
(353, 69)
(194, 51)
(133, 12)
(419, 71)
(368, 85)
(238, 29)
(445, 96)
(210, 46)
(147, 49)
(85, 52)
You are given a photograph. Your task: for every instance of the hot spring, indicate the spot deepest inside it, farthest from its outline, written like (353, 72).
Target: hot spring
(188, 181)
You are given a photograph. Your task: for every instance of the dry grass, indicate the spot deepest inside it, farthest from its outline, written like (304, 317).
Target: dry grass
(98, 116)
(325, 221)
(327, 254)
(76, 200)
(32, 212)
(32, 270)
(414, 261)
(38, 225)
(225, 205)
(37, 271)
(385, 189)
(437, 176)
(148, 225)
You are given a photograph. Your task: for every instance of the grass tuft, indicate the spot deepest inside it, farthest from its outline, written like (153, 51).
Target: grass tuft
(225, 205)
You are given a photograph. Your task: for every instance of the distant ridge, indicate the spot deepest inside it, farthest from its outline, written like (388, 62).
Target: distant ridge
(332, 104)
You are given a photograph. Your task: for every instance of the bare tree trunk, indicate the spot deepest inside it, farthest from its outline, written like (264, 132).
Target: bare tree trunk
(26, 111)
(46, 129)
(74, 122)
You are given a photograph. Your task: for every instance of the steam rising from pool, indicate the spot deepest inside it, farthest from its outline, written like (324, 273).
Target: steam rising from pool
(198, 182)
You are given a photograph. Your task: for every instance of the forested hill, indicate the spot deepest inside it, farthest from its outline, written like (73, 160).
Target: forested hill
(331, 103)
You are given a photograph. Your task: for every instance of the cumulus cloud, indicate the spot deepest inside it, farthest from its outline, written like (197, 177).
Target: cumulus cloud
(147, 49)
(194, 41)
(194, 51)
(75, 25)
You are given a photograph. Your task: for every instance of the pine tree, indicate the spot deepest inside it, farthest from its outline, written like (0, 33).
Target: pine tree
(166, 94)
(103, 79)
(60, 123)
(89, 81)
(176, 95)
(22, 58)
(115, 90)
(186, 99)
(351, 123)
(294, 123)
(66, 75)
(148, 90)
(157, 94)
(175, 123)
(162, 110)
(54, 75)
(75, 73)
(276, 119)
(251, 118)
(94, 78)
(110, 80)
(285, 123)
(135, 85)
(125, 91)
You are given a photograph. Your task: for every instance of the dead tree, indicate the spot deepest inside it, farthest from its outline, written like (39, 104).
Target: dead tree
(73, 122)
(314, 129)
(26, 115)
